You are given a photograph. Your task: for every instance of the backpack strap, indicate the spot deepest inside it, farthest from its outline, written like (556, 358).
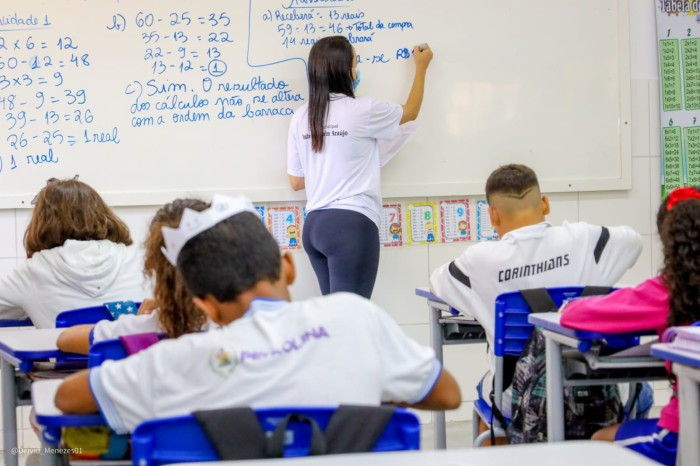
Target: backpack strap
(539, 300)
(235, 433)
(595, 291)
(355, 429)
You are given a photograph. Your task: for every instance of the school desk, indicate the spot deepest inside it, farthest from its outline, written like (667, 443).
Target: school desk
(580, 453)
(447, 327)
(20, 349)
(583, 367)
(686, 366)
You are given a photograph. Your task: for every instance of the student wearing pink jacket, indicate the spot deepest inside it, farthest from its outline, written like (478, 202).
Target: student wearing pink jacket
(671, 299)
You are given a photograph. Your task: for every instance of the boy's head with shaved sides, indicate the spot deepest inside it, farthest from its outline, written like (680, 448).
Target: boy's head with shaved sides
(514, 198)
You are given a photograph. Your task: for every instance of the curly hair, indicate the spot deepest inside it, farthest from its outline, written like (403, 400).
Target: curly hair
(680, 236)
(177, 313)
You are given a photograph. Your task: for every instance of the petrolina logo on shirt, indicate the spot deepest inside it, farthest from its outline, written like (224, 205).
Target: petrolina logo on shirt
(223, 362)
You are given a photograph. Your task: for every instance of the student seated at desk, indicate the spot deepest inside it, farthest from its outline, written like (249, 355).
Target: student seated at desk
(335, 349)
(79, 253)
(671, 299)
(532, 253)
(172, 310)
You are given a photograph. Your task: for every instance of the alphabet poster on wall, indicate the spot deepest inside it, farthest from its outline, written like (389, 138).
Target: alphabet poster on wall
(285, 225)
(261, 211)
(422, 225)
(678, 32)
(391, 232)
(484, 229)
(454, 220)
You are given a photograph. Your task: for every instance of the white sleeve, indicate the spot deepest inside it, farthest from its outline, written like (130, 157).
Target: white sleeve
(389, 148)
(409, 370)
(126, 324)
(452, 284)
(615, 250)
(13, 291)
(294, 167)
(124, 390)
(383, 120)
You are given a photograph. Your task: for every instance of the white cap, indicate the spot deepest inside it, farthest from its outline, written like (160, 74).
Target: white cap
(193, 223)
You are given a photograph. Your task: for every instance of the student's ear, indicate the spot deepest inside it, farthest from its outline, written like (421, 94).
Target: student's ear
(495, 217)
(545, 205)
(289, 272)
(209, 306)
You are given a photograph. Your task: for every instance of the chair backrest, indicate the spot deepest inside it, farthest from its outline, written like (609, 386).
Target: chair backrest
(4, 323)
(85, 315)
(512, 328)
(181, 439)
(104, 351)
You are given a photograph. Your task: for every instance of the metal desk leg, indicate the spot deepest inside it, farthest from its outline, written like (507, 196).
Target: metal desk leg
(555, 392)
(9, 413)
(440, 436)
(689, 399)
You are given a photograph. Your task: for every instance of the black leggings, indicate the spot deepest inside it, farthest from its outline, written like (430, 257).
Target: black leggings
(343, 246)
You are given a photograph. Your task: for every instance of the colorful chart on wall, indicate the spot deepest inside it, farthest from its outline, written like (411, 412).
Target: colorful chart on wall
(285, 225)
(484, 229)
(391, 230)
(454, 220)
(422, 223)
(678, 32)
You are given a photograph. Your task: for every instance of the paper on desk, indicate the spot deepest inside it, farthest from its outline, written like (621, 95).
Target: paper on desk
(636, 351)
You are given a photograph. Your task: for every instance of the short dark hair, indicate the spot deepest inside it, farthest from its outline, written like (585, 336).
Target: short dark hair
(230, 258)
(511, 179)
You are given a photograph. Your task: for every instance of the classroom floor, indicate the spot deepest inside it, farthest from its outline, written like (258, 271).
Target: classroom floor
(459, 435)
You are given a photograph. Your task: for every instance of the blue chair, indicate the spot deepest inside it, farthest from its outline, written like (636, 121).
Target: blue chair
(181, 439)
(87, 315)
(104, 351)
(512, 330)
(5, 323)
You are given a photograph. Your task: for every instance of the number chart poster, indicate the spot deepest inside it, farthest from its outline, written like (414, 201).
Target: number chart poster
(678, 32)
(454, 220)
(421, 223)
(391, 232)
(484, 229)
(285, 225)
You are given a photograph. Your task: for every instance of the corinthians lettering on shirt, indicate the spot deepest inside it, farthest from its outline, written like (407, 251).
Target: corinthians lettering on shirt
(533, 269)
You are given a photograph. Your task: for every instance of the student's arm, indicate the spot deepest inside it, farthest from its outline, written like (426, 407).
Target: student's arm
(294, 169)
(74, 395)
(75, 339)
(411, 375)
(615, 250)
(644, 307)
(13, 292)
(444, 395)
(452, 283)
(415, 97)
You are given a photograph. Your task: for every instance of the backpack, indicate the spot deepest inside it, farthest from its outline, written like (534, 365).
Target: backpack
(586, 409)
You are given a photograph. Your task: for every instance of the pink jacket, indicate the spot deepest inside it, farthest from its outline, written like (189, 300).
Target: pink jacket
(643, 307)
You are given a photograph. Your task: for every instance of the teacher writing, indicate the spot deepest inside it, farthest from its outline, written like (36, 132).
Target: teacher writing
(337, 145)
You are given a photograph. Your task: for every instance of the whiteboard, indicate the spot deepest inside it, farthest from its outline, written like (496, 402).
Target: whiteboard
(151, 100)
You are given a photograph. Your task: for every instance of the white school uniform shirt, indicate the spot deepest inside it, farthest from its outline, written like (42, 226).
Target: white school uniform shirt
(541, 255)
(74, 275)
(345, 174)
(335, 349)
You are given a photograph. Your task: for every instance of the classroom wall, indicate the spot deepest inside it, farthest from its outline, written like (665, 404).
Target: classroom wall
(403, 269)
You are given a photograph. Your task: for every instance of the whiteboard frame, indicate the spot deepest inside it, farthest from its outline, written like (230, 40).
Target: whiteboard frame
(624, 182)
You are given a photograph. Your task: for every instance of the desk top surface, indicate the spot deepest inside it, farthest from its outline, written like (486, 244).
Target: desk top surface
(581, 453)
(673, 354)
(29, 343)
(47, 414)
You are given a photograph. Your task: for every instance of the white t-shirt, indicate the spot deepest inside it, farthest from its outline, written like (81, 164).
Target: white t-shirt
(335, 349)
(345, 174)
(77, 274)
(541, 255)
